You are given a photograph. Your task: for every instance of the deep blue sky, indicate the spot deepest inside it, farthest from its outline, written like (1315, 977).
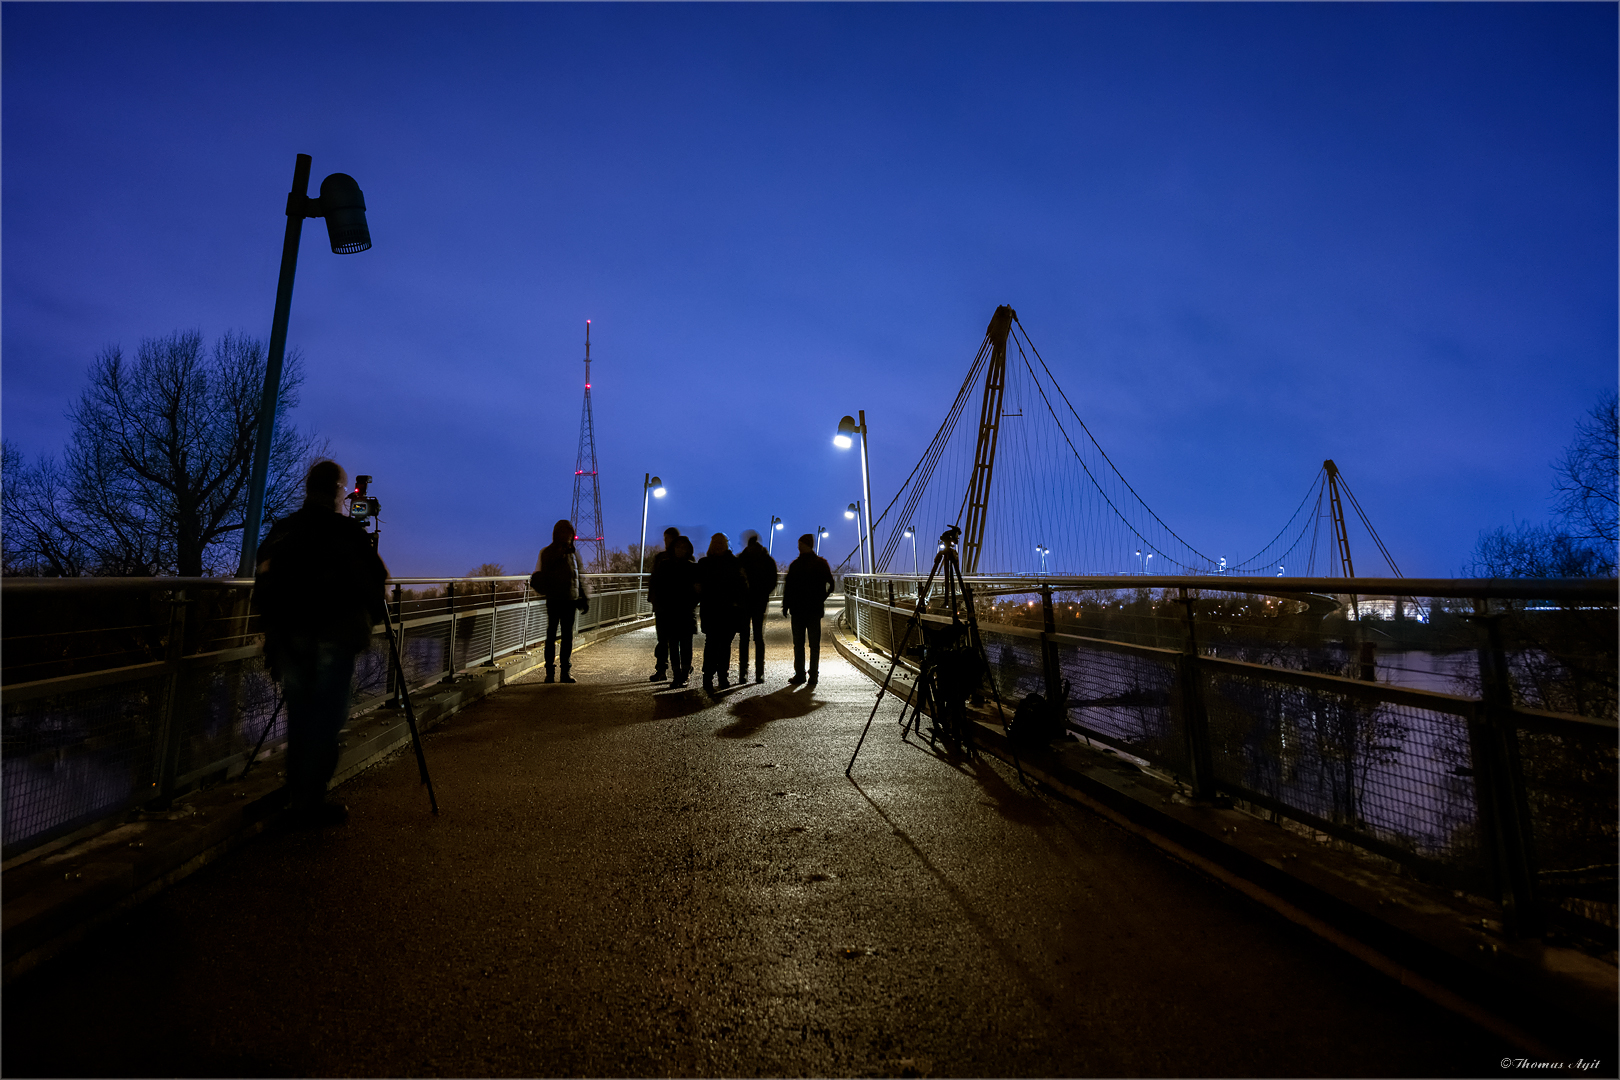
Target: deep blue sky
(1247, 238)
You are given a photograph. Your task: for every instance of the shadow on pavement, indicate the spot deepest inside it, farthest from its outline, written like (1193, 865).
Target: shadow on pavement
(677, 703)
(755, 712)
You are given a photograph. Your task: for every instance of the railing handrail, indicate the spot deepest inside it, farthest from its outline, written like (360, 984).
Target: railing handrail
(1596, 590)
(69, 584)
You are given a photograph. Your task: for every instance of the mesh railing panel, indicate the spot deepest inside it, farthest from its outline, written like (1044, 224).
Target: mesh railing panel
(76, 757)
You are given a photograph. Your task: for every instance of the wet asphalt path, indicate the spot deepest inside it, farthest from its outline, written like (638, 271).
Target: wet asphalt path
(629, 881)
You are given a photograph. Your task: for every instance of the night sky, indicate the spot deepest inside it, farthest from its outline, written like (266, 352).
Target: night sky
(1246, 238)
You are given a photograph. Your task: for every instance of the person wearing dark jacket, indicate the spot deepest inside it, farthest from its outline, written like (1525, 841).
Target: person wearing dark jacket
(557, 577)
(804, 598)
(760, 570)
(675, 579)
(721, 590)
(660, 650)
(319, 591)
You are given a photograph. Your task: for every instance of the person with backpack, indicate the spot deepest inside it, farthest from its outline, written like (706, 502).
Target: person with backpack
(319, 590)
(760, 570)
(557, 577)
(721, 589)
(675, 578)
(804, 598)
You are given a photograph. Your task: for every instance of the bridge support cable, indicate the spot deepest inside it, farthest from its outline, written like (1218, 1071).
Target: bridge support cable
(923, 472)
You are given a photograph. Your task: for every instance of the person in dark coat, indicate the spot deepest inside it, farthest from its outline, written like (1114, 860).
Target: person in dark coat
(676, 581)
(760, 570)
(661, 650)
(557, 577)
(319, 591)
(721, 590)
(804, 598)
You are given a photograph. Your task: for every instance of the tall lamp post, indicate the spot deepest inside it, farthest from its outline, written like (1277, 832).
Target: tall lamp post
(821, 533)
(854, 511)
(344, 208)
(848, 428)
(649, 483)
(911, 534)
(770, 543)
(1043, 551)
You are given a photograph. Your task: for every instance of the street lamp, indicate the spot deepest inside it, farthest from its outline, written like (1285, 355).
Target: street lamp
(911, 534)
(821, 531)
(344, 208)
(1279, 570)
(854, 511)
(1043, 551)
(770, 543)
(848, 428)
(649, 484)
(1223, 564)
(1145, 567)
(1139, 560)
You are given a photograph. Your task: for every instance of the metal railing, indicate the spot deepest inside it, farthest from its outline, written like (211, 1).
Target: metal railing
(123, 692)
(1464, 731)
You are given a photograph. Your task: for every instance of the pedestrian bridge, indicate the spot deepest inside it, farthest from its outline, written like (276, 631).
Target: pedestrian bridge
(628, 880)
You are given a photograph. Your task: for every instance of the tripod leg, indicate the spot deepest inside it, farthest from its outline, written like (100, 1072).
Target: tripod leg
(268, 724)
(410, 710)
(893, 660)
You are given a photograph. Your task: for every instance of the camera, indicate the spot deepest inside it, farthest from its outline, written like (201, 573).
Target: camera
(950, 536)
(362, 507)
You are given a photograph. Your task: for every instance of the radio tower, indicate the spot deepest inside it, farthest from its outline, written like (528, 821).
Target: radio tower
(585, 473)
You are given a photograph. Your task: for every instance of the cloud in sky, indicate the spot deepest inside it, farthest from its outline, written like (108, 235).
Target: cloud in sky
(1247, 238)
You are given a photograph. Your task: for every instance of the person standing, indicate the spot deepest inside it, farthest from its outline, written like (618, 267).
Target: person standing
(760, 570)
(721, 589)
(319, 591)
(677, 598)
(557, 577)
(660, 650)
(804, 599)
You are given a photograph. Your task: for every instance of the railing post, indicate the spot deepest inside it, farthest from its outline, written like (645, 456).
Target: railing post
(525, 595)
(450, 652)
(393, 701)
(1499, 786)
(1194, 720)
(166, 745)
(1049, 658)
(494, 618)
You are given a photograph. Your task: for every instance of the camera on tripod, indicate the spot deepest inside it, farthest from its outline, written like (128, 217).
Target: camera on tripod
(950, 536)
(362, 507)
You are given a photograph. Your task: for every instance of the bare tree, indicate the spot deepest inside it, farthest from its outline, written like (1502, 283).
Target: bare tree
(1582, 543)
(1588, 475)
(154, 478)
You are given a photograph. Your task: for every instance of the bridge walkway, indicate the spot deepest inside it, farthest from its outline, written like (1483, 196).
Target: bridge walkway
(628, 880)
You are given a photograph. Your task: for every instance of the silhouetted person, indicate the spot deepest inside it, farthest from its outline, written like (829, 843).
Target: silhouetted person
(557, 577)
(319, 591)
(760, 569)
(676, 581)
(804, 601)
(661, 650)
(721, 589)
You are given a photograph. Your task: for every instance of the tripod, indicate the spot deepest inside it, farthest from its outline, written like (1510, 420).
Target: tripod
(401, 686)
(951, 668)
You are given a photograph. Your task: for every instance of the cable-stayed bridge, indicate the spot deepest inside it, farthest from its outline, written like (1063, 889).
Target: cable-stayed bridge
(1034, 491)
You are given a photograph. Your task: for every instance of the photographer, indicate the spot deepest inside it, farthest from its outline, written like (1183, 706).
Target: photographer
(319, 591)
(557, 577)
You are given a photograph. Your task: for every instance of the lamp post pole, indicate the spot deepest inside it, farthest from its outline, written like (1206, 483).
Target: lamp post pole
(821, 530)
(770, 542)
(854, 511)
(342, 204)
(911, 533)
(847, 427)
(649, 482)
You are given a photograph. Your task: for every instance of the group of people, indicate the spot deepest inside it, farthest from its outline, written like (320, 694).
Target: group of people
(731, 592)
(724, 593)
